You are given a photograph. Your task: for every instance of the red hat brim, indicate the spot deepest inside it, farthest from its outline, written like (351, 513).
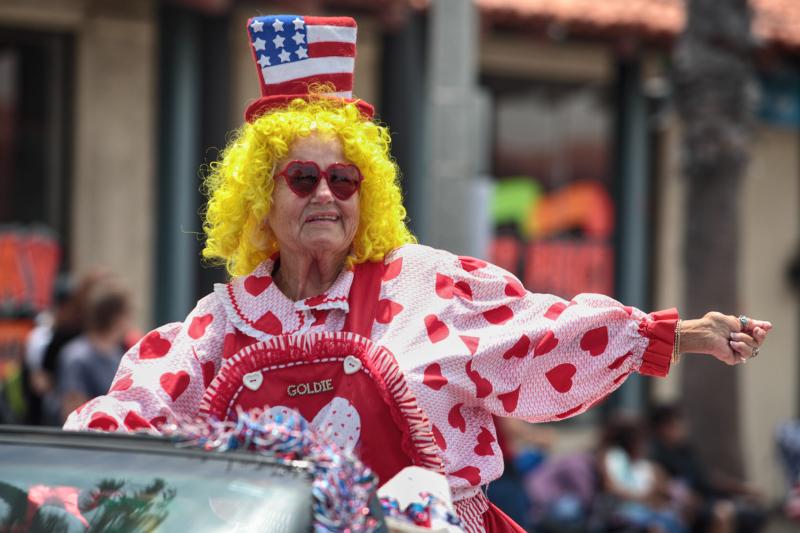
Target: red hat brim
(266, 103)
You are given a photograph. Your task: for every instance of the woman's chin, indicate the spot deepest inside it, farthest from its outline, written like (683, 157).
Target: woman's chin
(325, 244)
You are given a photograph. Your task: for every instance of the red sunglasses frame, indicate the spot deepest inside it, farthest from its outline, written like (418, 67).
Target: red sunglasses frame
(323, 174)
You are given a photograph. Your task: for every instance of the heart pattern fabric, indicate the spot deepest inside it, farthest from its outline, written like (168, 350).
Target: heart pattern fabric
(471, 341)
(338, 420)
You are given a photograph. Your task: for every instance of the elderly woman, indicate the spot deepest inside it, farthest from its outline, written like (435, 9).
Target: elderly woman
(397, 351)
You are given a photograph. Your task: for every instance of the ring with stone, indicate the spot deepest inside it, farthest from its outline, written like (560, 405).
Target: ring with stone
(743, 321)
(755, 351)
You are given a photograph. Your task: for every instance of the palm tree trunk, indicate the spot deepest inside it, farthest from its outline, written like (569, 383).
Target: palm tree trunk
(714, 84)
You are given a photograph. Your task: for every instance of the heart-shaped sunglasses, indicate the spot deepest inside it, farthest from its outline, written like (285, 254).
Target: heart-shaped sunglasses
(303, 177)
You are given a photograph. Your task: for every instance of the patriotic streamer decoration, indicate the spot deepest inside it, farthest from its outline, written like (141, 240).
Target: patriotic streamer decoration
(293, 53)
(342, 485)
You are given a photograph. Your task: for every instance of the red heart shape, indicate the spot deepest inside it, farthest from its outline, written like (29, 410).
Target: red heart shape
(134, 421)
(444, 286)
(153, 346)
(103, 422)
(316, 300)
(158, 421)
(437, 330)
(234, 342)
(520, 348)
(387, 310)
(463, 290)
(569, 413)
(269, 323)
(514, 288)
(208, 373)
(123, 383)
(560, 377)
(470, 263)
(485, 440)
(393, 269)
(618, 361)
(595, 341)
(174, 384)
(439, 438)
(199, 324)
(433, 377)
(471, 343)
(470, 473)
(545, 344)
(510, 399)
(255, 285)
(555, 310)
(320, 316)
(456, 419)
(483, 387)
(499, 315)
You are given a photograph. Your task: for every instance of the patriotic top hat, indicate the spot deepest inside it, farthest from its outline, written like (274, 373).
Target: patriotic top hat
(293, 52)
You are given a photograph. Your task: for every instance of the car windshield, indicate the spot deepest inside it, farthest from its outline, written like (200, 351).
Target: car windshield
(47, 486)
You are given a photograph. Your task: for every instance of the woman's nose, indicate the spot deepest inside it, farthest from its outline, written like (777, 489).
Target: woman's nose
(322, 194)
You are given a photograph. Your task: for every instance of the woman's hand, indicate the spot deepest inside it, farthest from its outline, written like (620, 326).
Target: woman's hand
(723, 337)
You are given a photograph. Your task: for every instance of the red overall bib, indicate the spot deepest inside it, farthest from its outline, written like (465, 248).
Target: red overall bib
(342, 383)
(345, 386)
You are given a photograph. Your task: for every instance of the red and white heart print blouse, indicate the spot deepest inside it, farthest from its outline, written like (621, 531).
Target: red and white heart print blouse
(471, 341)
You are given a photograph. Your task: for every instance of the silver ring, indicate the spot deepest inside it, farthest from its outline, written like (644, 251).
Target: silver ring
(743, 321)
(755, 351)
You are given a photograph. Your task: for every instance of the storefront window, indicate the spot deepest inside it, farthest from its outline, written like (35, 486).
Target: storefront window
(553, 213)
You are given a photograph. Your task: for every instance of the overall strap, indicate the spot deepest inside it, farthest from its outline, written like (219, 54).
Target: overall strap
(363, 299)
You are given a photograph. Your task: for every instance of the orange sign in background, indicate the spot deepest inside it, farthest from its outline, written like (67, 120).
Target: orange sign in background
(561, 241)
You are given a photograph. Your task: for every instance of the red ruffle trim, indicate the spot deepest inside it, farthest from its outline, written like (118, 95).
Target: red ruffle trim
(659, 328)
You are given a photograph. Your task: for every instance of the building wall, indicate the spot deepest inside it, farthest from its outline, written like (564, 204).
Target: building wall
(113, 132)
(770, 232)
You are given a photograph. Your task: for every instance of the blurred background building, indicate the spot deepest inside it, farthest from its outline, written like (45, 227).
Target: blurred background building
(550, 124)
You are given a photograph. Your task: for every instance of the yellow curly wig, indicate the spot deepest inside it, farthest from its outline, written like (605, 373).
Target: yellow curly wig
(239, 185)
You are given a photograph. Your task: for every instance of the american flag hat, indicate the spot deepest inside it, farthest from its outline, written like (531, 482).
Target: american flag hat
(293, 52)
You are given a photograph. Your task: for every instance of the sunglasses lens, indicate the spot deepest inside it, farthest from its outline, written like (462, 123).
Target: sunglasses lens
(302, 178)
(344, 180)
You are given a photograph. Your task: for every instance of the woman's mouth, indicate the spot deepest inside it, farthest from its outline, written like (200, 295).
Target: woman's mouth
(323, 217)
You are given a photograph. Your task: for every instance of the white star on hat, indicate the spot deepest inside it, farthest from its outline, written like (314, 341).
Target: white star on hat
(264, 61)
(298, 38)
(284, 55)
(278, 25)
(278, 41)
(302, 53)
(298, 23)
(257, 26)
(260, 44)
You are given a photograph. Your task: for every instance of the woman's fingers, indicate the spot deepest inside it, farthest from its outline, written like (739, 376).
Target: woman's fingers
(745, 338)
(752, 324)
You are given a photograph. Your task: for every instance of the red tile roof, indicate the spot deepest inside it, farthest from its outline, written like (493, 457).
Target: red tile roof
(776, 22)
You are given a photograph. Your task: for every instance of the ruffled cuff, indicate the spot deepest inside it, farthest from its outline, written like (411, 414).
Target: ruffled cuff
(659, 328)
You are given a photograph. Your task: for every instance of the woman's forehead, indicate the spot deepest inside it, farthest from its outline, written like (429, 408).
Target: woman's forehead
(320, 147)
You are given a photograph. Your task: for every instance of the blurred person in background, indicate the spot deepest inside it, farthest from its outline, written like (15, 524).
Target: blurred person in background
(524, 447)
(68, 322)
(88, 363)
(788, 442)
(37, 381)
(640, 492)
(719, 503)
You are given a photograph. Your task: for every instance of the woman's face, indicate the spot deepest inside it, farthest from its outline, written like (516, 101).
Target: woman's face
(320, 223)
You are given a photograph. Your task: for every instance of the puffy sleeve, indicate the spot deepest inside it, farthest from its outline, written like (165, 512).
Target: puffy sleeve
(162, 377)
(536, 356)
